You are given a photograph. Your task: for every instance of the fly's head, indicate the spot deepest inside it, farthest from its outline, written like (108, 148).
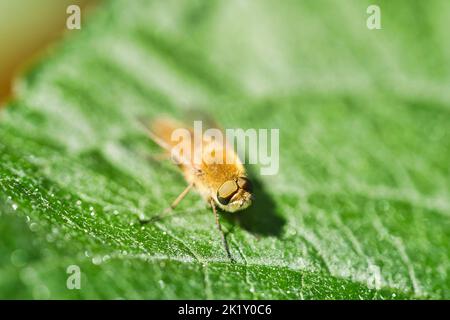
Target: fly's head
(234, 195)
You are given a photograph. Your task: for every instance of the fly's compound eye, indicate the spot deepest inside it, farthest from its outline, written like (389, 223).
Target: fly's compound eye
(226, 191)
(245, 184)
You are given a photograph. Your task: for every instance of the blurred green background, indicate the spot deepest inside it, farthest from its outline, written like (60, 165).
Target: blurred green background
(359, 210)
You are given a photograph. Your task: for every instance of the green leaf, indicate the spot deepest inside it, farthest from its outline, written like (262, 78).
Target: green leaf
(359, 209)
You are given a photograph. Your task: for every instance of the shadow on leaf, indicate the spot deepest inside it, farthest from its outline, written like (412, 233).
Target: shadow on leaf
(261, 218)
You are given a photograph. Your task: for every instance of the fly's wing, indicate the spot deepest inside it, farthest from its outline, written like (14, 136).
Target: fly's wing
(155, 137)
(208, 122)
(160, 131)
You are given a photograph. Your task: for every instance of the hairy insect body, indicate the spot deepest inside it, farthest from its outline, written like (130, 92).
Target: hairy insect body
(210, 166)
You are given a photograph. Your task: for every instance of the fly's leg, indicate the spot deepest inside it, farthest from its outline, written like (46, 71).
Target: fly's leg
(171, 207)
(219, 227)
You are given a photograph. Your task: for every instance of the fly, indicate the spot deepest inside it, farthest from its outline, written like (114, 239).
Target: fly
(222, 183)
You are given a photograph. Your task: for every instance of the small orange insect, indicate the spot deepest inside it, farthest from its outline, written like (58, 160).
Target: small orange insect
(220, 183)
